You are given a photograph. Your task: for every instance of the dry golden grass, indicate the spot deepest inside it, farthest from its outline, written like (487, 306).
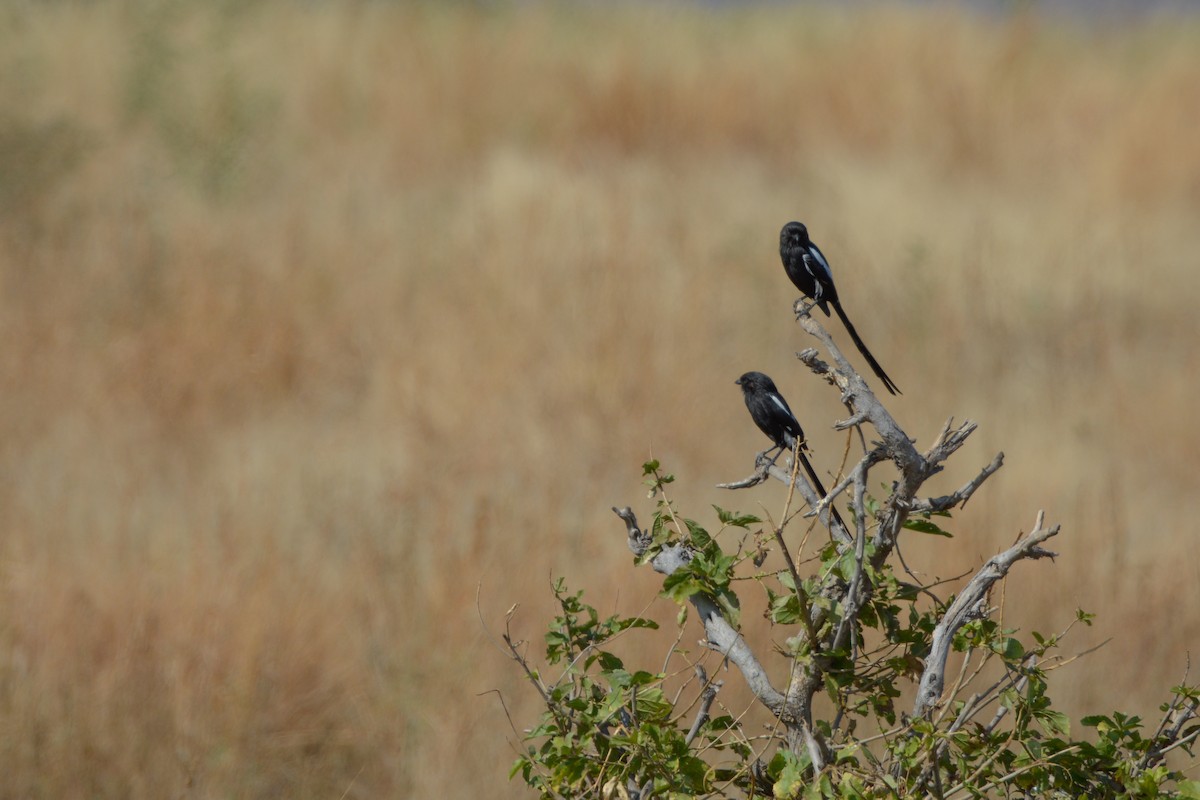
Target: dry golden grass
(316, 319)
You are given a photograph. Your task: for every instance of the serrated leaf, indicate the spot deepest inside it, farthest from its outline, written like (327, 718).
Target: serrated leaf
(700, 537)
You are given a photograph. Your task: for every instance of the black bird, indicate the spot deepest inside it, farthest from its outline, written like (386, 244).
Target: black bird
(808, 269)
(774, 417)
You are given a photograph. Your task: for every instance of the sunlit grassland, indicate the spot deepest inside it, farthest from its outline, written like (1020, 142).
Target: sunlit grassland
(321, 323)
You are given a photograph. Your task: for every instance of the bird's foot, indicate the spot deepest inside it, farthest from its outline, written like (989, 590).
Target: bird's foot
(764, 463)
(802, 306)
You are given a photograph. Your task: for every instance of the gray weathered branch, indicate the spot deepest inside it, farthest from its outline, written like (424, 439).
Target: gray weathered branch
(960, 497)
(707, 695)
(721, 636)
(914, 467)
(970, 604)
(859, 396)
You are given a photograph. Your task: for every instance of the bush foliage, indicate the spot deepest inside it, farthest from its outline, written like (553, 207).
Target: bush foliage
(628, 731)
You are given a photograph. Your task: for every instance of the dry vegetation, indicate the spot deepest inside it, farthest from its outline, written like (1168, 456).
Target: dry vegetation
(316, 318)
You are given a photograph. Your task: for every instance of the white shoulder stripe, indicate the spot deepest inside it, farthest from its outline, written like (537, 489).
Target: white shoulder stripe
(815, 261)
(817, 254)
(782, 405)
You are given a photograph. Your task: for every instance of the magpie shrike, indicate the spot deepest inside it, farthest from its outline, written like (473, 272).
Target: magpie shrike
(806, 266)
(774, 417)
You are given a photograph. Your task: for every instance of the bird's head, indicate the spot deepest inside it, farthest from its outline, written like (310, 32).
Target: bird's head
(794, 234)
(753, 381)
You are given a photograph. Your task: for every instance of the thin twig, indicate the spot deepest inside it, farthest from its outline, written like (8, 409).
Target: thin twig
(967, 604)
(707, 695)
(962, 787)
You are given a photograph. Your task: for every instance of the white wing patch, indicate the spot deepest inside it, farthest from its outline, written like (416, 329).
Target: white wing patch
(822, 265)
(777, 400)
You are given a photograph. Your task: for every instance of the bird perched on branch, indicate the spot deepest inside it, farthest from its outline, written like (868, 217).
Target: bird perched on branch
(809, 270)
(774, 417)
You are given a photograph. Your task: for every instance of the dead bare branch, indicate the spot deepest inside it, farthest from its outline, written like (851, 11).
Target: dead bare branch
(967, 605)
(960, 497)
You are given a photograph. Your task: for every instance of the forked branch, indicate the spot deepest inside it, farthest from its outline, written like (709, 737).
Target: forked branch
(971, 604)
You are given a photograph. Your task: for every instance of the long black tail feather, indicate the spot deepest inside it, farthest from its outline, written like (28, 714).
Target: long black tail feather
(862, 348)
(816, 482)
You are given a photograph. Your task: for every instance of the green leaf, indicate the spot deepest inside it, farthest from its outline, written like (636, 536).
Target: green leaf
(1010, 648)
(700, 538)
(609, 662)
(872, 505)
(791, 775)
(925, 526)
(821, 789)
(1185, 691)
(1188, 789)
(847, 565)
(1054, 722)
(659, 532)
(735, 519)
(635, 622)
(785, 609)
(680, 585)
(652, 706)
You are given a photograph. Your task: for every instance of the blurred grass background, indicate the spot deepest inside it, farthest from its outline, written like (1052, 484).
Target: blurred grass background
(321, 320)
